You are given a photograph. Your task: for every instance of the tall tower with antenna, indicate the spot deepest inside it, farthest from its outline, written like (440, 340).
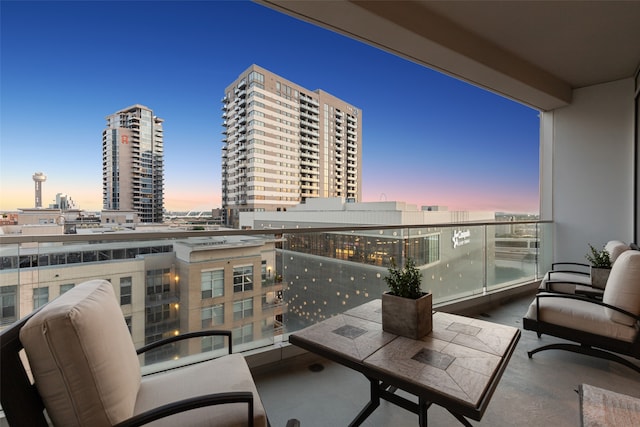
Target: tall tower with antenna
(39, 178)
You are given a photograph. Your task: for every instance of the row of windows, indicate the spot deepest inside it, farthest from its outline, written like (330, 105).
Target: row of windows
(255, 104)
(212, 282)
(367, 250)
(256, 76)
(214, 316)
(8, 297)
(272, 154)
(241, 335)
(75, 257)
(255, 123)
(273, 171)
(158, 282)
(256, 113)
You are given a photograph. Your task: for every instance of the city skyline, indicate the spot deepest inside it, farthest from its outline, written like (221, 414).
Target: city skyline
(428, 139)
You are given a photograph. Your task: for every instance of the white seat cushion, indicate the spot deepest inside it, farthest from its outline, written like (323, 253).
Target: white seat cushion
(82, 357)
(623, 287)
(582, 316)
(225, 374)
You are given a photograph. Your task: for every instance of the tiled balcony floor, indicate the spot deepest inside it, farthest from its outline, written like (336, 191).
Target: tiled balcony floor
(533, 392)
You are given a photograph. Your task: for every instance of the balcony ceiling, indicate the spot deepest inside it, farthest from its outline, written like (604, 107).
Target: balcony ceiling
(534, 52)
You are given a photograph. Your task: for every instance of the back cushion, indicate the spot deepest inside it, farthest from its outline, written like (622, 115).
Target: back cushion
(615, 248)
(82, 357)
(623, 287)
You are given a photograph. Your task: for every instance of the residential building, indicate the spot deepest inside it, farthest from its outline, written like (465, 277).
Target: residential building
(133, 163)
(285, 144)
(164, 286)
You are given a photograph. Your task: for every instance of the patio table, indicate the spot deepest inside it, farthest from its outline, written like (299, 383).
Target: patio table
(457, 366)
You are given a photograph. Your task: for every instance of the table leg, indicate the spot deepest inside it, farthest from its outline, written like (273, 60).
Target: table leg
(461, 418)
(380, 390)
(423, 406)
(374, 402)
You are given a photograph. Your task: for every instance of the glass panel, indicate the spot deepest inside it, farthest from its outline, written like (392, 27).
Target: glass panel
(451, 260)
(513, 254)
(303, 276)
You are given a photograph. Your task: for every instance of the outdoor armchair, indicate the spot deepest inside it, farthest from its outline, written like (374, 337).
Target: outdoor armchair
(605, 329)
(575, 277)
(86, 372)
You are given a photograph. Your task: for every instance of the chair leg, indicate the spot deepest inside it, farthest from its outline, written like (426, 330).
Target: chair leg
(587, 350)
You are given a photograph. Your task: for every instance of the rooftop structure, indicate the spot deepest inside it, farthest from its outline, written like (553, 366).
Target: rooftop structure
(335, 211)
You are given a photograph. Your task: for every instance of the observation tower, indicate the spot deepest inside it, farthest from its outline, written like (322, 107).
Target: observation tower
(39, 178)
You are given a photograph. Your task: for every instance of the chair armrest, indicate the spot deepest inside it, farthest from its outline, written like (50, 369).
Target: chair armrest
(189, 404)
(187, 335)
(582, 273)
(580, 267)
(548, 287)
(570, 282)
(581, 298)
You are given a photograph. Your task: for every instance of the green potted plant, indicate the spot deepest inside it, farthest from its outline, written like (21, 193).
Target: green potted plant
(406, 309)
(600, 261)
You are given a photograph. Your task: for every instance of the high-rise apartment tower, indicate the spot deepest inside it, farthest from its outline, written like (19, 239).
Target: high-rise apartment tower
(284, 144)
(132, 163)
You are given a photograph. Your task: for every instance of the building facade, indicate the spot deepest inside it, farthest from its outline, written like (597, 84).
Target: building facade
(354, 262)
(284, 144)
(133, 163)
(164, 287)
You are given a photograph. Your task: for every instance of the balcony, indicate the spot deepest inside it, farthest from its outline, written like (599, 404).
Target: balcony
(468, 272)
(533, 392)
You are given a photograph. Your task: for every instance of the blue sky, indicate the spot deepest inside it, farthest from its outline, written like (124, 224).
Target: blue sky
(428, 139)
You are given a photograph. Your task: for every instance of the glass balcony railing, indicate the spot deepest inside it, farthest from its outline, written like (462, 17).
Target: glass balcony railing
(264, 284)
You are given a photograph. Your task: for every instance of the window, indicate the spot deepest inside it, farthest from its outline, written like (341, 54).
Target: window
(125, 290)
(212, 343)
(127, 320)
(243, 334)
(158, 313)
(158, 281)
(212, 316)
(66, 287)
(242, 309)
(40, 296)
(8, 296)
(212, 283)
(243, 278)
